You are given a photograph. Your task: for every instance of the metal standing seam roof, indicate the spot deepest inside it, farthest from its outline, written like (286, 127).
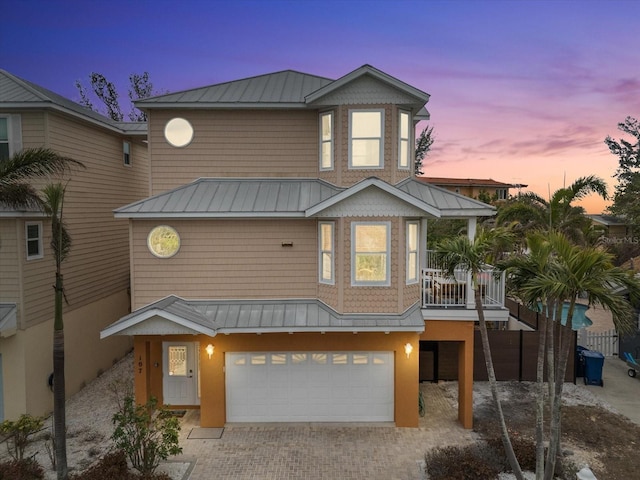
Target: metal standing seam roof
(16, 92)
(278, 198)
(264, 316)
(285, 89)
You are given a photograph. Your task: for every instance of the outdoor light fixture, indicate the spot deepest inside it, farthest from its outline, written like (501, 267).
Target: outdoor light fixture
(408, 348)
(209, 350)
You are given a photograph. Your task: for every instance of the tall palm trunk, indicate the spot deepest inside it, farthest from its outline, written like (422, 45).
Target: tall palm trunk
(565, 342)
(493, 384)
(540, 387)
(59, 414)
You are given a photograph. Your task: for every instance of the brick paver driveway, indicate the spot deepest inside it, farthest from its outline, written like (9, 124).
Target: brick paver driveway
(324, 451)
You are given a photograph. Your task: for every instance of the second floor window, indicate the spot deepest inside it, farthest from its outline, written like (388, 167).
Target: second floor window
(366, 140)
(326, 141)
(370, 244)
(412, 252)
(126, 153)
(501, 193)
(404, 141)
(33, 233)
(326, 253)
(4, 138)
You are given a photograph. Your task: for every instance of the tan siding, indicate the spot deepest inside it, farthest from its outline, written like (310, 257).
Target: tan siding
(98, 265)
(229, 259)
(33, 129)
(9, 270)
(235, 144)
(38, 276)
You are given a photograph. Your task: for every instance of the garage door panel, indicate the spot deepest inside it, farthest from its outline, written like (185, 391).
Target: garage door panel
(309, 386)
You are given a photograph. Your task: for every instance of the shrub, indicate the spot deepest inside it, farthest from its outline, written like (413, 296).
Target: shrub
(21, 470)
(470, 462)
(144, 434)
(18, 433)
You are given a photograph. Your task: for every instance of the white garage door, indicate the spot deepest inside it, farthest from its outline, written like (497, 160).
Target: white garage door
(309, 387)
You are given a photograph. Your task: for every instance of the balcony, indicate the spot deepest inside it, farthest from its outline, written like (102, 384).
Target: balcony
(443, 291)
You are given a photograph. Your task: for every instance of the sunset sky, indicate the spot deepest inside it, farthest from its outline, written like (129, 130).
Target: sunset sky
(521, 91)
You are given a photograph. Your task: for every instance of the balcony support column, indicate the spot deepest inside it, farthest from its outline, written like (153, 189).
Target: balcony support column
(472, 224)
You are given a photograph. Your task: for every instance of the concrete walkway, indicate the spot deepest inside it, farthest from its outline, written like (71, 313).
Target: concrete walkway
(620, 391)
(313, 451)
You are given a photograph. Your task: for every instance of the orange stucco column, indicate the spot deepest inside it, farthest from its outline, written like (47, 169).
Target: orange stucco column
(465, 383)
(141, 370)
(462, 332)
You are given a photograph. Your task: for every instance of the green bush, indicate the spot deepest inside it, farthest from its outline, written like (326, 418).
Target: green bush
(144, 434)
(470, 462)
(21, 470)
(18, 433)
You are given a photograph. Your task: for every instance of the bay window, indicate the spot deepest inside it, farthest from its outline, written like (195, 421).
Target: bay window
(366, 139)
(404, 141)
(326, 141)
(326, 253)
(370, 253)
(413, 258)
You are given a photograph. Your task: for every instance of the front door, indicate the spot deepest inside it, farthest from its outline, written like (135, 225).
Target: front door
(180, 379)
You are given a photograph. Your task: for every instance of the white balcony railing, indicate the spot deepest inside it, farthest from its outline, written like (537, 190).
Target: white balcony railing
(441, 290)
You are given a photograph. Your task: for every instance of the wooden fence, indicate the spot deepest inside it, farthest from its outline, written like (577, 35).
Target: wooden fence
(514, 353)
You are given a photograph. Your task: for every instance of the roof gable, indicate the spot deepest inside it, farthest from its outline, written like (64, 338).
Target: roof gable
(16, 92)
(369, 73)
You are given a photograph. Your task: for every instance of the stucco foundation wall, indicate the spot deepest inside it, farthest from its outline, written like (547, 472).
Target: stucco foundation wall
(27, 356)
(148, 365)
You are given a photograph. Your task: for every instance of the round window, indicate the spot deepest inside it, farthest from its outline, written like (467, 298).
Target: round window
(178, 132)
(163, 241)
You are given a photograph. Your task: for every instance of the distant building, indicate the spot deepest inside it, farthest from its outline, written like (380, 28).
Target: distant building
(473, 187)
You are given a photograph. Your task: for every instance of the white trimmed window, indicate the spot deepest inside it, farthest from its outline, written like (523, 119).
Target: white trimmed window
(326, 141)
(404, 141)
(10, 135)
(126, 153)
(366, 140)
(413, 257)
(33, 237)
(501, 193)
(326, 253)
(370, 253)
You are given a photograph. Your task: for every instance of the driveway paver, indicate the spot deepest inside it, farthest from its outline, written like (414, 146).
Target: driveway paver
(325, 451)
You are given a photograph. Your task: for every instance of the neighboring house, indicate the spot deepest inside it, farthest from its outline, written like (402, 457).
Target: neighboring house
(474, 187)
(279, 270)
(96, 273)
(615, 229)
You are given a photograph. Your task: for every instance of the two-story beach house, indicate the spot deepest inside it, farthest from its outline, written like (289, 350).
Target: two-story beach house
(279, 271)
(96, 272)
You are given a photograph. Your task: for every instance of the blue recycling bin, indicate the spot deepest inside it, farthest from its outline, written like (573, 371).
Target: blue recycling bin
(580, 360)
(593, 363)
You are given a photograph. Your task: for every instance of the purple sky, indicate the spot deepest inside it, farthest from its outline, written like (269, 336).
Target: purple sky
(521, 92)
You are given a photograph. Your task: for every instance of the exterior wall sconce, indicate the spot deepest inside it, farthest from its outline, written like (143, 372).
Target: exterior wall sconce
(209, 349)
(408, 348)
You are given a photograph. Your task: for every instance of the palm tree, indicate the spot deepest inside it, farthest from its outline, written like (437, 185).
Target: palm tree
(569, 271)
(461, 253)
(560, 213)
(53, 203)
(16, 173)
